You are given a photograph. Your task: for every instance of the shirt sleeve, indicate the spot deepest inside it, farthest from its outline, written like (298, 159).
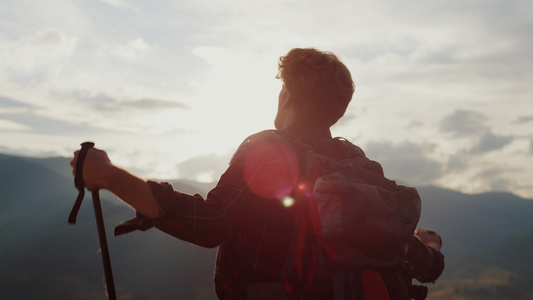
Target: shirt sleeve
(261, 170)
(204, 222)
(428, 263)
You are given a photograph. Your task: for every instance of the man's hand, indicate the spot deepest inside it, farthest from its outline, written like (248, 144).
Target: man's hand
(96, 168)
(429, 237)
(100, 173)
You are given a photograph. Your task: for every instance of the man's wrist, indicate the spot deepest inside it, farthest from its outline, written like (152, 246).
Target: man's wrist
(111, 175)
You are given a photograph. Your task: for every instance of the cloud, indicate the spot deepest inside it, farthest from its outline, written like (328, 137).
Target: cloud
(31, 120)
(130, 51)
(10, 103)
(120, 4)
(38, 56)
(463, 123)
(31, 152)
(457, 163)
(153, 104)
(501, 184)
(10, 125)
(414, 124)
(205, 168)
(406, 161)
(494, 179)
(523, 119)
(108, 104)
(51, 41)
(490, 142)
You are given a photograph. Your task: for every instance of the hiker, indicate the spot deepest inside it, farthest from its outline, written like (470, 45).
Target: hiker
(250, 213)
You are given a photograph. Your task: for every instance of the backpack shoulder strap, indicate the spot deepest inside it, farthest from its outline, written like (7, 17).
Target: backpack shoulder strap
(350, 148)
(354, 151)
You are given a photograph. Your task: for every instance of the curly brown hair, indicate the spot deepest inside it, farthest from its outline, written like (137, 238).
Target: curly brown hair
(318, 82)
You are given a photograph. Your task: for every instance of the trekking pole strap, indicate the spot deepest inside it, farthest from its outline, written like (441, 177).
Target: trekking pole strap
(78, 181)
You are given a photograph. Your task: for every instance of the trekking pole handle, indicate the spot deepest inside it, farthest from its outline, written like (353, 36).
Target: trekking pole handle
(78, 181)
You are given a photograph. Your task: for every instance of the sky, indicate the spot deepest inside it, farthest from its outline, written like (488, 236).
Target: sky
(170, 88)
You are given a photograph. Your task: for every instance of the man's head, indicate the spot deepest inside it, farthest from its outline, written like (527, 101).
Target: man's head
(318, 84)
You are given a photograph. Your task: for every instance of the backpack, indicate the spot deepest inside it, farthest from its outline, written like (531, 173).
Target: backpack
(351, 220)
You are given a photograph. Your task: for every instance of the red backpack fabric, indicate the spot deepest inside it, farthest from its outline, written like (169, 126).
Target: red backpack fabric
(351, 223)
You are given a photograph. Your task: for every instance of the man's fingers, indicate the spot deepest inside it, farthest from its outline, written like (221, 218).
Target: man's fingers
(73, 161)
(429, 237)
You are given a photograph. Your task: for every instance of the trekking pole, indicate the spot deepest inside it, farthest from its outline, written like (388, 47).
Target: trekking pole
(78, 181)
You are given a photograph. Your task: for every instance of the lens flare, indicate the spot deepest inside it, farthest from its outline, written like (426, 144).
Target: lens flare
(271, 170)
(288, 201)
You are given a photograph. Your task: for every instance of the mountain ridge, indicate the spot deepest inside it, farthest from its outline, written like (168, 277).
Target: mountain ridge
(482, 233)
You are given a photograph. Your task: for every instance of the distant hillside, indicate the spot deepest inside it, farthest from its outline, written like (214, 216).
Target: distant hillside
(487, 241)
(500, 272)
(469, 224)
(42, 257)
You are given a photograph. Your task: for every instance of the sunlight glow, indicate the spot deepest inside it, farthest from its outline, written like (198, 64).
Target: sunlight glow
(205, 177)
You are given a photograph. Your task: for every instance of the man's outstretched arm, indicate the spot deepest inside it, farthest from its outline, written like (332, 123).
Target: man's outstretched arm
(100, 173)
(425, 256)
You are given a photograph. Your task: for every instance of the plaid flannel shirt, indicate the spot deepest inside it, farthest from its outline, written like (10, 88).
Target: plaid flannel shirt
(245, 214)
